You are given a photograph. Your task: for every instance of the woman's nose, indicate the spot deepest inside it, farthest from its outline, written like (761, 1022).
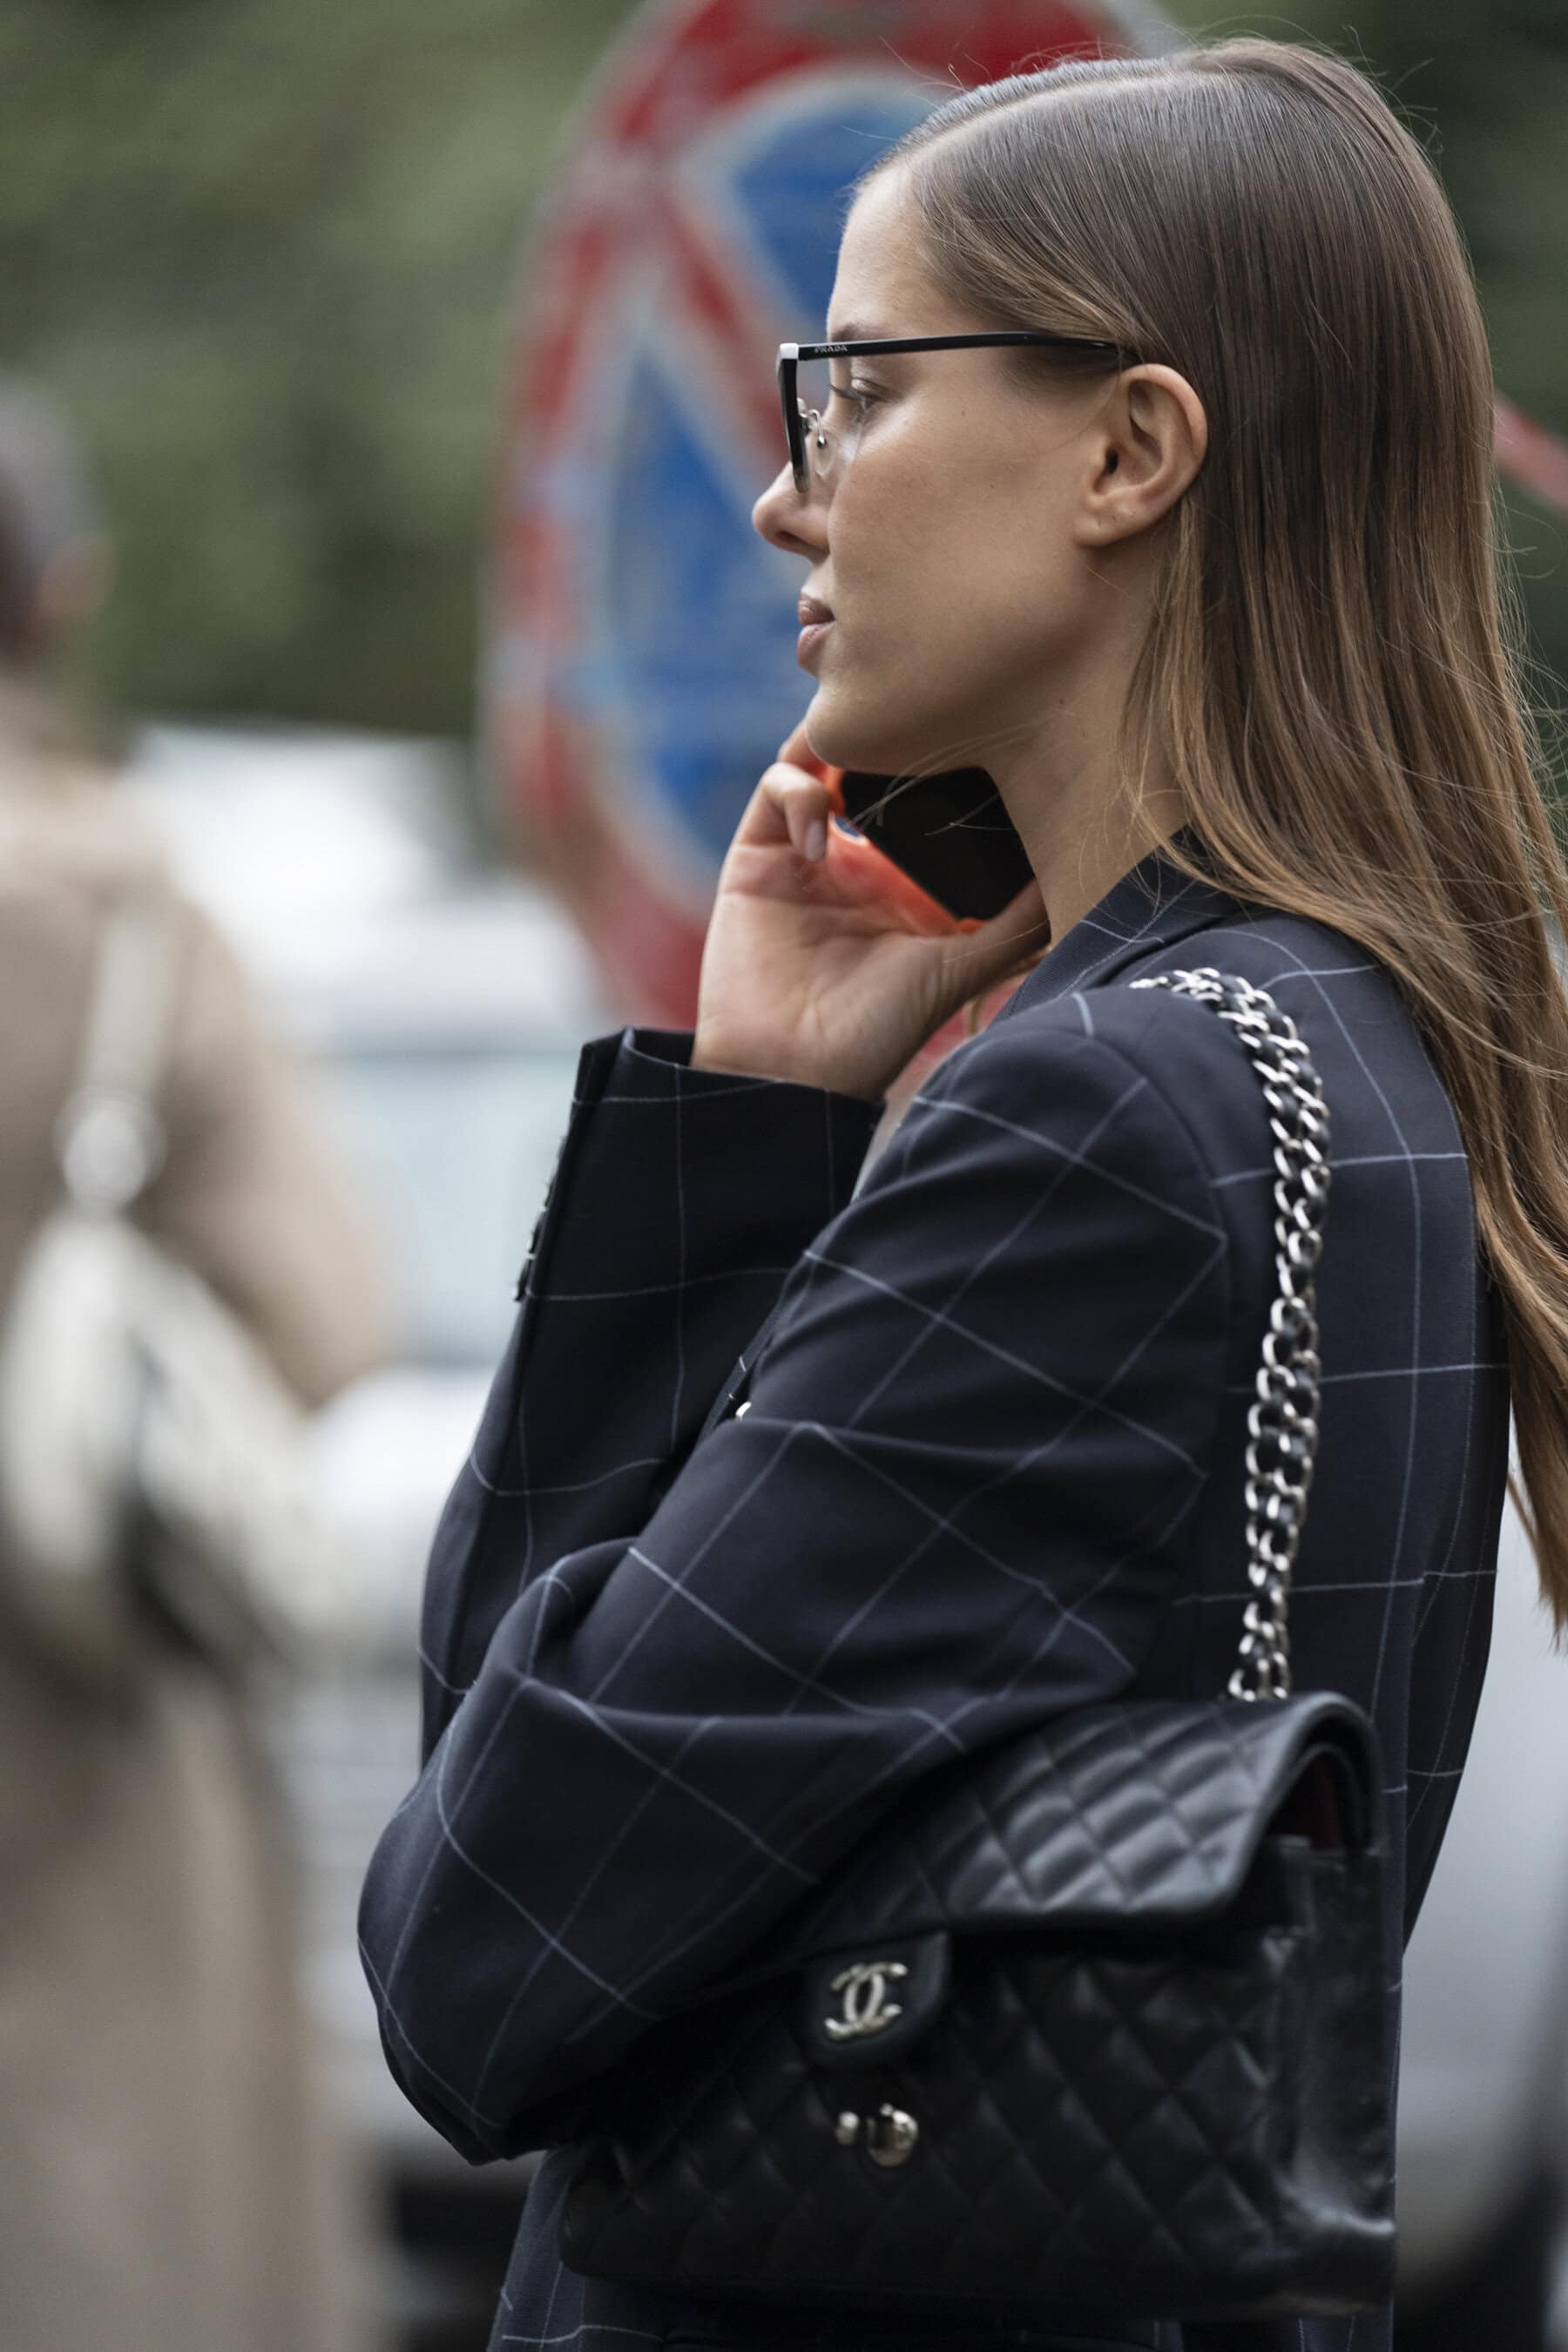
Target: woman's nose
(785, 518)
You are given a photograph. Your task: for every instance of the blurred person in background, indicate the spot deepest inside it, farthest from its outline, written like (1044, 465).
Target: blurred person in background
(166, 2181)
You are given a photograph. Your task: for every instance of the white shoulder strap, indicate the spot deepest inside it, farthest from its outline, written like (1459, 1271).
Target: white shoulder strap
(110, 1136)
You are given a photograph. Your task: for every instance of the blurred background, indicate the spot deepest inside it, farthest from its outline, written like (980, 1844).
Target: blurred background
(271, 255)
(419, 362)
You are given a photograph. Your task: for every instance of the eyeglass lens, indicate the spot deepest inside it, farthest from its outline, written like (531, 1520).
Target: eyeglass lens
(832, 427)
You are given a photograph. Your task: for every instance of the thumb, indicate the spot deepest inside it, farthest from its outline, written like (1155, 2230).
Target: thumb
(1008, 944)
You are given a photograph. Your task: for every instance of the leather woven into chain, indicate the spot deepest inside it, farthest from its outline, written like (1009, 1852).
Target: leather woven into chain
(1282, 1420)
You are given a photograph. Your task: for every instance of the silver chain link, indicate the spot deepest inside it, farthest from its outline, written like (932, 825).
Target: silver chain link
(1282, 1421)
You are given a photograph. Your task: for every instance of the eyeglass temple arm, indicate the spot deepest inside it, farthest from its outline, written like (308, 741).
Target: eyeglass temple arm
(943, 342)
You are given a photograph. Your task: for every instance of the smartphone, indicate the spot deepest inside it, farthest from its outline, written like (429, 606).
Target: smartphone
(949, 832)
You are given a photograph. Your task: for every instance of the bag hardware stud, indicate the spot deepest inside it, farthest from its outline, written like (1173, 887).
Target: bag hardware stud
(863, 1990)
(891, 2134)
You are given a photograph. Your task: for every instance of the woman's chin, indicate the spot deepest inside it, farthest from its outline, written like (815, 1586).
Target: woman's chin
(843, 737)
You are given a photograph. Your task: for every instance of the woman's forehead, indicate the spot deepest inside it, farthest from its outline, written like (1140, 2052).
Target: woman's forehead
(883, 285)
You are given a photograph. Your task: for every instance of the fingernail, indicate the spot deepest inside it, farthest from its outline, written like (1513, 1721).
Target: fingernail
(816, 839)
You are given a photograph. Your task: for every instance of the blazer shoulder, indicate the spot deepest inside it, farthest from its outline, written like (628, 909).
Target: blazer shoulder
(1382, 1089)
(1094, 1047)
(1320, 977)
(1382, 1086)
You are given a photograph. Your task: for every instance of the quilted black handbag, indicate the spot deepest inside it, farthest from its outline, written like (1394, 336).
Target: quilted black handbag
(1093, 2022)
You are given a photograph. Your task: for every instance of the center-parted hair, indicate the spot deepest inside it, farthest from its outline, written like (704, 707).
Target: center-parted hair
(1330, 676)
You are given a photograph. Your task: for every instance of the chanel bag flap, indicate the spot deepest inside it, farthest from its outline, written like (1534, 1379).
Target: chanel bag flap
(1094, 2021)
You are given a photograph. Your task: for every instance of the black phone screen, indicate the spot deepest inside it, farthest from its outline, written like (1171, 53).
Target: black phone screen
(949, 832)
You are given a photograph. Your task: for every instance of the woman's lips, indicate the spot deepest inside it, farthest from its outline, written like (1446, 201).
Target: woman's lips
(815, 620)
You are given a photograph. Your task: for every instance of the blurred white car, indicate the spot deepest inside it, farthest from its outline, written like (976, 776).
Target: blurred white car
(444, 1008)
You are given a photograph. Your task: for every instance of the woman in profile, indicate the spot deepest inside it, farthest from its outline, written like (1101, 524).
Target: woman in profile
(1210, 586)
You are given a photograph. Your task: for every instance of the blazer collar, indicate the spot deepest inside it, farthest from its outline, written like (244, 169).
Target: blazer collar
(1149, 908)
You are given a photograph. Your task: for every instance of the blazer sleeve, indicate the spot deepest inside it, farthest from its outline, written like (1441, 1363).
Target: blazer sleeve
(681, 1199)
(955, 1505)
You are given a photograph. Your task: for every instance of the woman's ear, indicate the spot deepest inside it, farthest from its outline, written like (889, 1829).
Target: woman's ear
(1149, 442)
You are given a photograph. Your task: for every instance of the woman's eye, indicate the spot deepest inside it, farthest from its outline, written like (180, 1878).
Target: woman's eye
(859, 395)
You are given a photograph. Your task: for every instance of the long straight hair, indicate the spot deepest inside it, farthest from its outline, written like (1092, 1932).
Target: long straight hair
(1331, 676)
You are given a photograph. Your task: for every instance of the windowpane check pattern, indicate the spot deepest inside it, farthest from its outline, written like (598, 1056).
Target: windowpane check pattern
(678, 1656)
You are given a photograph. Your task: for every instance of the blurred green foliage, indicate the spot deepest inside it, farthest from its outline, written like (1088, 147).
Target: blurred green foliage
(267, 251)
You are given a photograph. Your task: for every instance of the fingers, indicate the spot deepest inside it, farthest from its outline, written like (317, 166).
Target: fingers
(794, 797)
(789, 804)
(797, 752)
(1023, 924)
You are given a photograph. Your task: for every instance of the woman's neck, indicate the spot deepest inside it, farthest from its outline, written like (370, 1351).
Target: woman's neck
(1061, 775)
(1084, 827)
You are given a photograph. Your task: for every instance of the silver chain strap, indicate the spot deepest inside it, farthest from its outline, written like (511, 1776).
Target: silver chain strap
(1282, 1423)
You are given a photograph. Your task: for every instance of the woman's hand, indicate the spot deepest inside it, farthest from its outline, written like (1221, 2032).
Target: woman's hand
(824, 964)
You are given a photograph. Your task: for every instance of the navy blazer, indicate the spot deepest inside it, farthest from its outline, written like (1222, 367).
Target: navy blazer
(682, 1645)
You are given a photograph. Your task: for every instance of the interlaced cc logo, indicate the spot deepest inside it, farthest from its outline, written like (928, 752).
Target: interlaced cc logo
(862, 1991)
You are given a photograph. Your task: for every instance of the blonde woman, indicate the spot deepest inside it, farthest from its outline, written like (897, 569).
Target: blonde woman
(1204, 575)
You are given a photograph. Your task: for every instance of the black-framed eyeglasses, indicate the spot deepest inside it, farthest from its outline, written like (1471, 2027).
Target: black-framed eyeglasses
(809, 438)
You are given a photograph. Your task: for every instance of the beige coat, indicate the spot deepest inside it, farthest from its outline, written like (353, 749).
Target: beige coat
(165, 2181)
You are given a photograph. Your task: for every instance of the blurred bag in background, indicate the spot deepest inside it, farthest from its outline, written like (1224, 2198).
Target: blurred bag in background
(152, 1460)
